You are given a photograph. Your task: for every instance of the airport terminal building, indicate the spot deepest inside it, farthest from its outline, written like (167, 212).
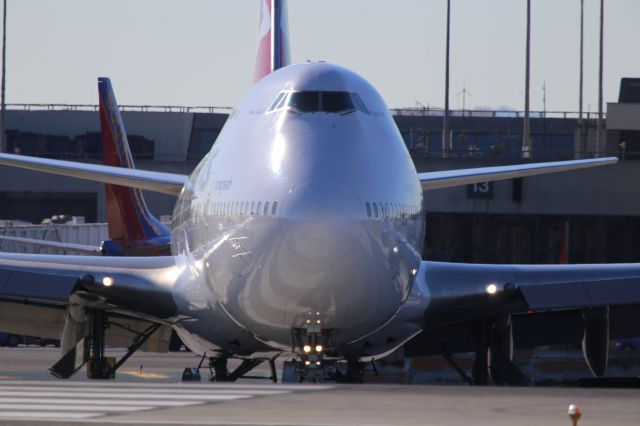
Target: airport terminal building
(585, 216)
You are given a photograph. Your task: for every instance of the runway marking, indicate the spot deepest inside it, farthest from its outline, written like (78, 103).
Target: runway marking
(143, 375)
(38, 400)
(74, 407)
(102, 401)
(46, 415)
(125, 390)
(288, 387)
(122, 395)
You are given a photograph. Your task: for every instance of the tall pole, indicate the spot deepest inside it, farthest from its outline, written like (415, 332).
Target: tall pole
(526, 136)
(3, 139)
(600, 127)
(544, 117)
(580, 118)
(445, 125)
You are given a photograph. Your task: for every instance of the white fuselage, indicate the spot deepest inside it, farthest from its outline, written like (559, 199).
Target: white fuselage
(300, 212)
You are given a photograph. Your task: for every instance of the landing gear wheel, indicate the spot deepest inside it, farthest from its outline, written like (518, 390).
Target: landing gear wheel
(354, 371)
(219, 369)
(13, 341)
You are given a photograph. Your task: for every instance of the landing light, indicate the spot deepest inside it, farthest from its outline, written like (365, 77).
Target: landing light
(306, 349)
(319, 348)
(491, 288)
(107, 281)
(395, 249)
(307, 362)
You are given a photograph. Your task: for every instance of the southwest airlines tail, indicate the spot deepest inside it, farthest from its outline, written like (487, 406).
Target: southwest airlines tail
(132, 228)
(273, 41)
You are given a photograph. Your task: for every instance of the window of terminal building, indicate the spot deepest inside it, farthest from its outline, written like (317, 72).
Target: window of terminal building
(201, 142)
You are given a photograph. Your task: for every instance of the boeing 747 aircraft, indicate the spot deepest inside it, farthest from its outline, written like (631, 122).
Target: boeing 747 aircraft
(302, 231)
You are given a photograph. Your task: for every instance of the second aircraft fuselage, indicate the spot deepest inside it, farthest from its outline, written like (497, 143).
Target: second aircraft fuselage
(308, 207)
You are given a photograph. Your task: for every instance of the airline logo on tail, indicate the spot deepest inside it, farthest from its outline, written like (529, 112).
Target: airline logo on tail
(273, 38)
(128, 216)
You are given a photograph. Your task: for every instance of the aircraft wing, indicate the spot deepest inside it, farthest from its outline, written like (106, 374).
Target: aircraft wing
(448, 178)
(138, 286)
(167, 183)
(463, 291)
(72, 247)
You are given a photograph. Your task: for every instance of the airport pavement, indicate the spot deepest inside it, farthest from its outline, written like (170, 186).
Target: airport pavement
(155, 397)
(82, 402)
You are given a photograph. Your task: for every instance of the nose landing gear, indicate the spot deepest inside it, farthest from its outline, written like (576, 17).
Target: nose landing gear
(311, 343)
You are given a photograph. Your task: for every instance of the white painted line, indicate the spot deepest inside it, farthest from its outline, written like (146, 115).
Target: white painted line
(71, 407)
(106, 402)
(219, 397)
(47, 415)
(171, 392)
(167, 385)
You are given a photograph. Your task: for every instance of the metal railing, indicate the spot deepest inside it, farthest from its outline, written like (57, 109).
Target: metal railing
(439, 112)
(411, 112)
(513, 156)
(133, 108)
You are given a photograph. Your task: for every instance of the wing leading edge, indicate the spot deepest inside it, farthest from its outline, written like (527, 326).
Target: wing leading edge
(449, 178)
(464, 291)
(167, 183)
(140, 286)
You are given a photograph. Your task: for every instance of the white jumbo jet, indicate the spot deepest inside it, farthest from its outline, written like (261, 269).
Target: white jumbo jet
(301, 231)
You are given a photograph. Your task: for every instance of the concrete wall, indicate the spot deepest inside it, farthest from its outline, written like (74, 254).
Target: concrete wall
(623, 116)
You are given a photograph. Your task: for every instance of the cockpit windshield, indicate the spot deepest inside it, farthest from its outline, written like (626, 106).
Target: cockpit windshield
(319, 101)
(305, 101)
(336, 101)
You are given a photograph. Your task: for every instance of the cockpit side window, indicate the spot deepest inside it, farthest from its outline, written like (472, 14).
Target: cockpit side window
(360, 106)
(305, 101)
(336, 102)
(278, 102)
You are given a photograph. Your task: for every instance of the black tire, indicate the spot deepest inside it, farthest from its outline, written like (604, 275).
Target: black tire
(13, 341)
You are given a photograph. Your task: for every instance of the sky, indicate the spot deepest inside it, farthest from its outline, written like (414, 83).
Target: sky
(202, 52)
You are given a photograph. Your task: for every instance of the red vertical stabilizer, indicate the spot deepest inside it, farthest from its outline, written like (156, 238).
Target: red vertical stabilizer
(273, 38)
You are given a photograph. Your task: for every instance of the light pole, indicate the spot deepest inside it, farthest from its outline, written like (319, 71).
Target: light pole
(3, 139)
(526, 136)
(446, 146)
(580, 119)
(599, 128)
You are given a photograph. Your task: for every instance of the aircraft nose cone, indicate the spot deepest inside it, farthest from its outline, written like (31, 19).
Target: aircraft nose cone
(320, 220)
